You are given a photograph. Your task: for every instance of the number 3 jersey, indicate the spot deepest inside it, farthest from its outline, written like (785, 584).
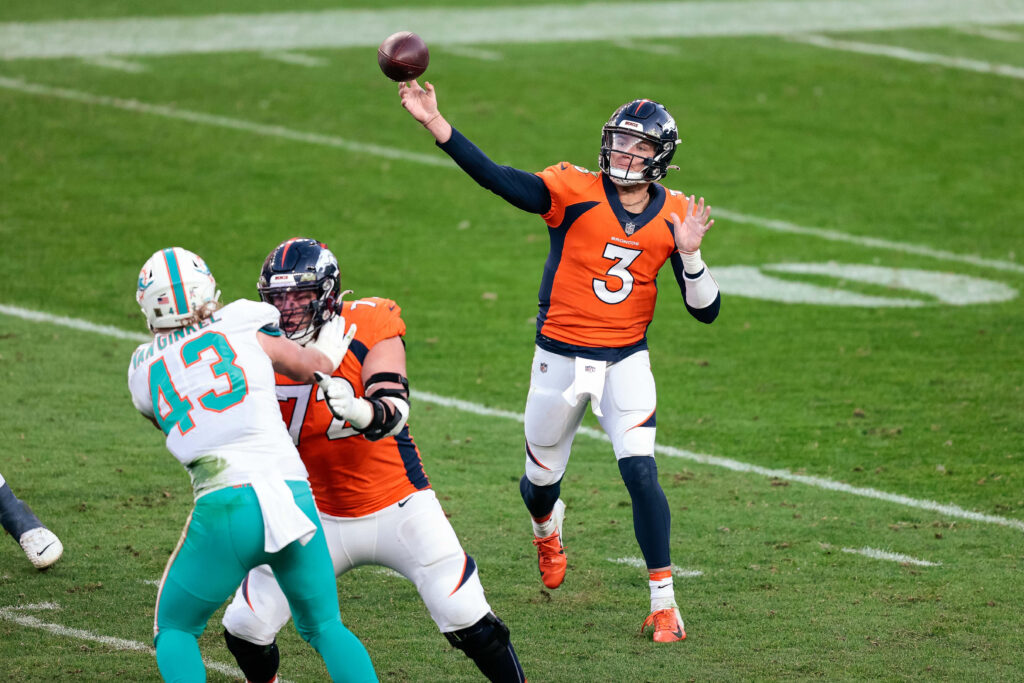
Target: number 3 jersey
(210, 388)
(350, 475)
(598, 288)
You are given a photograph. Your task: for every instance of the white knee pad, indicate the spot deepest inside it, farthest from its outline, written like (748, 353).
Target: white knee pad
(259, 608)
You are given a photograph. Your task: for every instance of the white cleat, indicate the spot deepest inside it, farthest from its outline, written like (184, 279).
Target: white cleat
(42, 547)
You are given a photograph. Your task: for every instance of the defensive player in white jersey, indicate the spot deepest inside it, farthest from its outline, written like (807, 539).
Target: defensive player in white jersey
(376, 504)
(41, 546)
(207, 381)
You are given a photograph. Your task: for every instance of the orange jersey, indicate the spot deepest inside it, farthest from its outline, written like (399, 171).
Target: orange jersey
(598, 288)
(350, 475)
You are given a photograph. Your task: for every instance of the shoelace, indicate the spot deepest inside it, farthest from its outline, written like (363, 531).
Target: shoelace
(549, 547)
(663, 620)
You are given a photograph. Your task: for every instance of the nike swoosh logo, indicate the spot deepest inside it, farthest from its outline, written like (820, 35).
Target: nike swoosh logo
(678, 633)
(391, 307)
(402, 503)
(563, 167)
(664, 585)
(43, 550)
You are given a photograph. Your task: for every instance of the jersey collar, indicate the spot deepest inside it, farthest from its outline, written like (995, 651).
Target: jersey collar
(629, 224)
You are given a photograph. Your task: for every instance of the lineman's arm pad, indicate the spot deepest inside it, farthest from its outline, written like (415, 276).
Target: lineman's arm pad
(389, 416)
(703, 297)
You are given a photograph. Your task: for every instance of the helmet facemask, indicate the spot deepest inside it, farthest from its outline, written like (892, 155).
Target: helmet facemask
(300, 279)
(632, 123)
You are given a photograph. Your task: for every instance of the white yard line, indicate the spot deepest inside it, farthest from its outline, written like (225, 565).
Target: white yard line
(223, 122)
(876, 554)
(296, 58)
(116, 64)
(865, 241)
(944, 509)
(676, 571)
(990, 33)
(472, 52)
(477, 25)
(647, 47)
(908, 55)
(441, 161)
(15, 614)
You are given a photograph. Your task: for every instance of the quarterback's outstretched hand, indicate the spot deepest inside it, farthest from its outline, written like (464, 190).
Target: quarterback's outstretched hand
(333, 340)
(342, 401)
(690, 230)
(421, 102)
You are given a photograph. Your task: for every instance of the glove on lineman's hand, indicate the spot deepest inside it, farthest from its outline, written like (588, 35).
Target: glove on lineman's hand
(333, 340)
(343, 403)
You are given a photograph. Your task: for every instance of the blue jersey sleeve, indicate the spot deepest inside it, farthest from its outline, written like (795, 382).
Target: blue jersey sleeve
(522, 190)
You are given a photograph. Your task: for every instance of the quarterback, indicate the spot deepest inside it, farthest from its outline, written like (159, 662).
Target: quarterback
(610, 234)
(207, 382)
(376, 504)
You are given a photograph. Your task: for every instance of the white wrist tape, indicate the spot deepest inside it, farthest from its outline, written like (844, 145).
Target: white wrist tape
(692, 262)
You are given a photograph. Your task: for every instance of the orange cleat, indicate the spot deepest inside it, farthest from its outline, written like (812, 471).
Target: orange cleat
(668, 625)
(550, 551)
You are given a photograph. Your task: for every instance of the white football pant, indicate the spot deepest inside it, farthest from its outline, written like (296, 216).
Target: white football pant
(412, 537)
(627, 403)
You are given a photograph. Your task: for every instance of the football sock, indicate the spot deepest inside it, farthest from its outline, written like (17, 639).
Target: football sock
(651, 516)
(545, 526)
(540, 500)
(15, 516)
(662, 593)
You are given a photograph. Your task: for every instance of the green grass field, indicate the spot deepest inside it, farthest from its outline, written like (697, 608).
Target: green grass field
(799, 438)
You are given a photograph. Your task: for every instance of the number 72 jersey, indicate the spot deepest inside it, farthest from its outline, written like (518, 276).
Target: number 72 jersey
(599, 283)
(210, 388)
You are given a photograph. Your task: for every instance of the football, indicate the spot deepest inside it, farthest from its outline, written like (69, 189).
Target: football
(403, 56)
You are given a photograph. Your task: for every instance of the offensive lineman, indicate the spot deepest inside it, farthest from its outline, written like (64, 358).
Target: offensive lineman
(375, 501)
(610, 232)
(207, 381)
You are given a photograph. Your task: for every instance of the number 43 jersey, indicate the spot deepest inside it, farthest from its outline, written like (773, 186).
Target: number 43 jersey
(210, 387)
(599, 288)
(350, 475)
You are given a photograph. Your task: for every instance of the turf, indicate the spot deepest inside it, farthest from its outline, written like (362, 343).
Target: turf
(922, 402)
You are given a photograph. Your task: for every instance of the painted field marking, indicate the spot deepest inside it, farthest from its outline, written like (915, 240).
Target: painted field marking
(945, 509)
(116, 64)
(727, 463)
(296, 58)
(876, 554)
(646, 47)
(444, 162)
(676, 570)
(908, 55)
(472, 52)
(943, 288)
(990, 33)
(222, 122)
(469, 25)
(14, 613)
(864, 241)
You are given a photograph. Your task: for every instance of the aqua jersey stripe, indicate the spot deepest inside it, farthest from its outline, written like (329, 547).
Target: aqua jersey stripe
(180, 301)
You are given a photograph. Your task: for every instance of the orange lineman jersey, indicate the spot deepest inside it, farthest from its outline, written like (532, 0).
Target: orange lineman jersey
(350, 475)
(598, 288)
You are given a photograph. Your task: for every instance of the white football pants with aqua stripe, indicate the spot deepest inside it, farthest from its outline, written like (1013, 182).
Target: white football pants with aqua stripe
(222, 541)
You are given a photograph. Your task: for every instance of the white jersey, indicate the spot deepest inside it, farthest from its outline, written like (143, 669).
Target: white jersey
(211, 389)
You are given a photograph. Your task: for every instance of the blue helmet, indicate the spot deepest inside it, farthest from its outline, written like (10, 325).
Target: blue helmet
(298, 265)
(639, 120)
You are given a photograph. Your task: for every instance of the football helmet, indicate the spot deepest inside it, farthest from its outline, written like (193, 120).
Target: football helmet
(634, 121)
(175, 289)
(301, 265)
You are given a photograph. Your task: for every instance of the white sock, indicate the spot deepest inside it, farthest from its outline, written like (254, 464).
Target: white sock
(545, 528)
(663, 595)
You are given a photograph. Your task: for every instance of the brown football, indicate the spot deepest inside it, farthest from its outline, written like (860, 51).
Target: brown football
(403, 56)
